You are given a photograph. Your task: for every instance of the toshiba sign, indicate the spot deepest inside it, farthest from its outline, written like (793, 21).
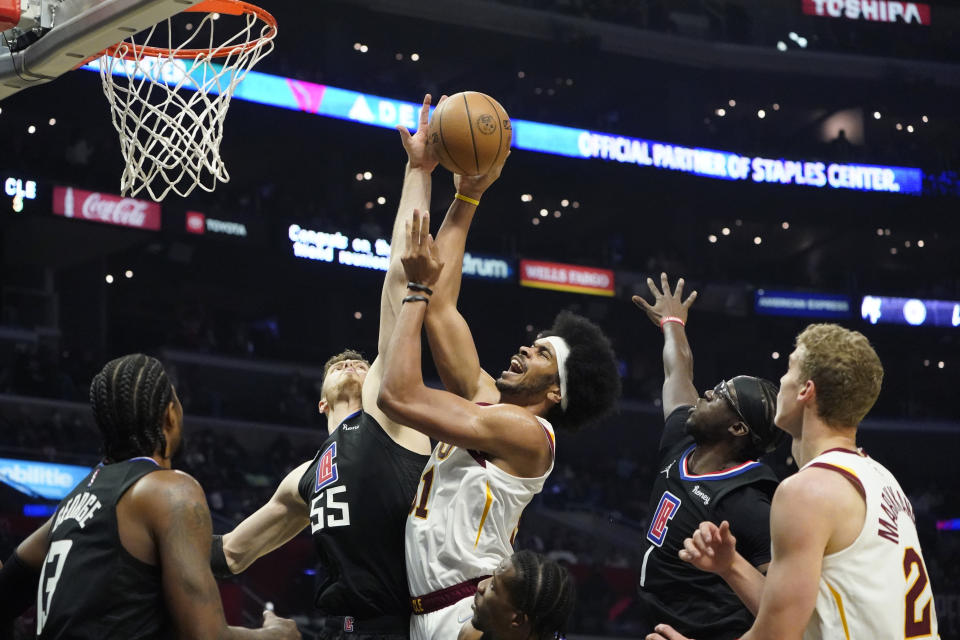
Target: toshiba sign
(871, 10)
(106, 208)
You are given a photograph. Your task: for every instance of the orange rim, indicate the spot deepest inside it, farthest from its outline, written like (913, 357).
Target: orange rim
(231, 7)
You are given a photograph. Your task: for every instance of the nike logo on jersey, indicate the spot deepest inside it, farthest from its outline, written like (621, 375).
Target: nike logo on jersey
(461, 619)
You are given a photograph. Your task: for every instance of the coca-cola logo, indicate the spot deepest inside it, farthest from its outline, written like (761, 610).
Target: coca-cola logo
(106, 208)
(126, 211)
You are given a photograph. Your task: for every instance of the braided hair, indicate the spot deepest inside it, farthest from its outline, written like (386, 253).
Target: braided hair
(129, 397)
(544, 591)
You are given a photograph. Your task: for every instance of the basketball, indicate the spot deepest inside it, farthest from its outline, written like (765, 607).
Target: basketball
(470, 131)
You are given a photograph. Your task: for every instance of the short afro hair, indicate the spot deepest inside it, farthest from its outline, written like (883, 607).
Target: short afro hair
(593, 379)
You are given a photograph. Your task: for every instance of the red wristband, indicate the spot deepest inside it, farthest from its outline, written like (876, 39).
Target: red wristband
(667, 319)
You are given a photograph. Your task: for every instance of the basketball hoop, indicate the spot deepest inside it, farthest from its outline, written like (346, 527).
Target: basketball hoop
(168, 101)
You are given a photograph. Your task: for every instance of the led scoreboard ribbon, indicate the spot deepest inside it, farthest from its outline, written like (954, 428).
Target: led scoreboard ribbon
(554, 139)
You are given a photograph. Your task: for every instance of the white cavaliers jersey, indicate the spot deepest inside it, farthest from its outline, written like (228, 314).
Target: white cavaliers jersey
(464, 517)
(877, 588)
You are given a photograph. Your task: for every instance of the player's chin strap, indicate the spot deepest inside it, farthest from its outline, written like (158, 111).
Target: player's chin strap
(562, 349)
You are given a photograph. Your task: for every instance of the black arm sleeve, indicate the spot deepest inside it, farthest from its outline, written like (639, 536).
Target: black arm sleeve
(218, 560)
(748, 511)
(18, 583)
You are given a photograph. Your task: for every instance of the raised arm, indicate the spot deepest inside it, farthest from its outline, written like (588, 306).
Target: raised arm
(415, 195)
(510, 434)
(272, 525)
(666, 310)
(451, 343)
(179, 521)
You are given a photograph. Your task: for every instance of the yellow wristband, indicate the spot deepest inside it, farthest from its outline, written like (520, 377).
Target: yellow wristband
(472, 201)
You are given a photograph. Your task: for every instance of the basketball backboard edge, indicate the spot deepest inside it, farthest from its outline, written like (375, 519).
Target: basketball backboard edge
(80, 29)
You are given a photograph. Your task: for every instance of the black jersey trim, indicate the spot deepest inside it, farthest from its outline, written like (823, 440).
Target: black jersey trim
(154, 569)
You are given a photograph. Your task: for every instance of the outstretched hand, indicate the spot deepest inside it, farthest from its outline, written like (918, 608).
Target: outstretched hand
(666, 632)
(475, 186)
(666, 303)
(421, 260)
(420, 154)
(711, 548)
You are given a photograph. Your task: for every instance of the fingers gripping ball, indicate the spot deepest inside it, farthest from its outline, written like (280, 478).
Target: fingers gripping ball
(470, 131)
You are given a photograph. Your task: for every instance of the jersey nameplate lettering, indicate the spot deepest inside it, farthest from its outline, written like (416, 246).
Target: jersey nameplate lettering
(669, 504)
(81, 508)
(892, 504)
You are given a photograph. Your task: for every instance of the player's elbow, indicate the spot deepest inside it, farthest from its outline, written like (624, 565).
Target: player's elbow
(237, 560)
(388, 401)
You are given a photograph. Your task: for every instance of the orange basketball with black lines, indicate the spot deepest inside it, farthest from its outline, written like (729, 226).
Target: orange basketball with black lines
(470, 131)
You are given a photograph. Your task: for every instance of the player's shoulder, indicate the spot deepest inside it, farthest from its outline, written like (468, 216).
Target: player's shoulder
(815, 487)
(513, 419)
(167, 488)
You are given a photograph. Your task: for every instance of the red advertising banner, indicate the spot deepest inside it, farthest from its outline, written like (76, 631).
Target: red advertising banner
(196, 222)
(201, 223)
(566, 277)
(871, 10)
(106, 208)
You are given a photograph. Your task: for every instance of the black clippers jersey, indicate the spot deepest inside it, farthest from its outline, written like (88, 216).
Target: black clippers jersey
(90, 586)
(694, 602)
(359, 489)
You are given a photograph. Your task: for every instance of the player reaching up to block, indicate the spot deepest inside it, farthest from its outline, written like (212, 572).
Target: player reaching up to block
(846, 558)
(356, 492)
(496, 439)
(707, 456)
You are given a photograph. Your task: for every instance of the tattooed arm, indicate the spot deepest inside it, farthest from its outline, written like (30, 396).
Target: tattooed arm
(177, 516)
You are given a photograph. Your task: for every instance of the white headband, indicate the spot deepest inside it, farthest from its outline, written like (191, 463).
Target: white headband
(562, 349)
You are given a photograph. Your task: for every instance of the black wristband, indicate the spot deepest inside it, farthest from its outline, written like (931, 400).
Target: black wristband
(218, 560)
(416, 286)
(19, 583)
(417, 299)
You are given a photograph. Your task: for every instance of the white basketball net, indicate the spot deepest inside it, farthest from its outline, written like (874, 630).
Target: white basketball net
(169, 111)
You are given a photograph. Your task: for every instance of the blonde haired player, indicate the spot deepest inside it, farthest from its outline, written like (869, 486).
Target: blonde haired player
(496, 440)
(846, 559)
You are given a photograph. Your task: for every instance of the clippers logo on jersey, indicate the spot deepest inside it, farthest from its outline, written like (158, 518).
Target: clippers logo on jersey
(327, 468)
(669, 504)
